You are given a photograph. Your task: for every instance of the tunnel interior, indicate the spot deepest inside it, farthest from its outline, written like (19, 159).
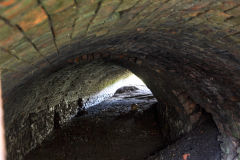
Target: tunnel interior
(56, 55)
(81, 105)
(125, 124)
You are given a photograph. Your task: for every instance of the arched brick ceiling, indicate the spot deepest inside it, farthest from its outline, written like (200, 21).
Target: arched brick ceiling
(178, 47)
(34, 33)
(188, 47)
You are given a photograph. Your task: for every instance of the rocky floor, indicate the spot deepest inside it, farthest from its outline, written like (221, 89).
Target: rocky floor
(124, 127)
(199, 144)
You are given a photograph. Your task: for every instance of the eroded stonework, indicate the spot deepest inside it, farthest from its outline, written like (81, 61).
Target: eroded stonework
(186, 51)
(34, 109)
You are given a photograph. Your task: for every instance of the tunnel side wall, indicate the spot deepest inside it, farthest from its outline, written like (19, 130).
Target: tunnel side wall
(183, 73)
(31, 109)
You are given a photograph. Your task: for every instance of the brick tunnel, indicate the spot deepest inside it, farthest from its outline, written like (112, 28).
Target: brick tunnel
(187, 52)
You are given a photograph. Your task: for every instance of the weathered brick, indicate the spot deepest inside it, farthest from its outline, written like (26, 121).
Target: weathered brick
(84, 57)
(139, 62)
(32, 18)
(56, 6)
(90, 57)
(25, 50)
(9, 35)
(19, 9)
(63, 28)
(97, 55)
(77, 60)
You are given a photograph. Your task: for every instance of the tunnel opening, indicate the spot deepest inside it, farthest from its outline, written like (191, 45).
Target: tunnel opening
(82, 100)
(186, 51)
(114, 128)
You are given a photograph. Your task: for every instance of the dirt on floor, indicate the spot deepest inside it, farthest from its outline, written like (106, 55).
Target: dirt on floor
(199, 144)
(124, 127)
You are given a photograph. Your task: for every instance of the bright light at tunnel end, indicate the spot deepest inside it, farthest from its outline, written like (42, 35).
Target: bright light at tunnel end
(131, 80)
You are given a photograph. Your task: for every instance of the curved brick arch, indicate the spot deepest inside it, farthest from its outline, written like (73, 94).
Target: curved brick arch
(194, 45)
